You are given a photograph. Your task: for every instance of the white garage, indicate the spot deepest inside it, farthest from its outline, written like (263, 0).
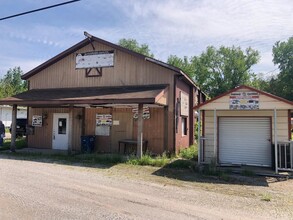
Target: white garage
(245, 140)
(242, 126)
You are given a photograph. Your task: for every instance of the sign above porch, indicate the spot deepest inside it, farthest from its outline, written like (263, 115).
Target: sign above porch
(94, 59)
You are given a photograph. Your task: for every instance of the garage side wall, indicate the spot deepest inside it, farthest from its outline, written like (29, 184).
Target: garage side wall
(282, 126)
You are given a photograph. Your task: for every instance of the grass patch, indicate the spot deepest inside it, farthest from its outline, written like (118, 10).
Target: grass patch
(189, 153)
(247, 172)
(19, 144)
(147, 160)
(100, 158)
(86, 159)
(181, 164)
(266, 197)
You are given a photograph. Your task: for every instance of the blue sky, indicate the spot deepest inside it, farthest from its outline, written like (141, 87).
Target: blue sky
(178, 27)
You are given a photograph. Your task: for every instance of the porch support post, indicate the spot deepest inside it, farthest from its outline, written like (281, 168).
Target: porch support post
(70, 130)
(13, 128)
(139, 130)
(166, 128)
(276, 141)
(215, 136)
(199, 138)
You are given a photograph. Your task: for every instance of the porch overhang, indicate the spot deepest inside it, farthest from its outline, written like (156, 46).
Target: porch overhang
(150, 94)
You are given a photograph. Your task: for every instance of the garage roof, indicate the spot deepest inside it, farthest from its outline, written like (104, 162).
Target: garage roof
(218, 98)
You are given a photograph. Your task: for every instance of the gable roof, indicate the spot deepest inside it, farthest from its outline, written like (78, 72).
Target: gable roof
(115, 46)
(245, 87)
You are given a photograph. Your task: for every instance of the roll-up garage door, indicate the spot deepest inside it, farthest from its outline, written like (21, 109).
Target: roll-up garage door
(245, 140)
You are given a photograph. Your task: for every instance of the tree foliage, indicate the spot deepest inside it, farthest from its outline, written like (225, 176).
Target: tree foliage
(133, 45)
(218, 70)
(12, 83)
(282, 84)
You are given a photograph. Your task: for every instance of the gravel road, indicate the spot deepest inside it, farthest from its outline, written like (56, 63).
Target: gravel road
(39, 190)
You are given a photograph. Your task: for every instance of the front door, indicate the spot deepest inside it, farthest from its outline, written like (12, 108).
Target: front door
(60, 131)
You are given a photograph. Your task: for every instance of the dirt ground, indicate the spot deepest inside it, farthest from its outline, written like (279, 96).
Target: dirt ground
(43, 190)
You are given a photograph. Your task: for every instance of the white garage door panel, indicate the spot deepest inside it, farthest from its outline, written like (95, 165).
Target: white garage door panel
(245, 141)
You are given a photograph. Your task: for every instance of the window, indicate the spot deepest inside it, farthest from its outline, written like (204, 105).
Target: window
(184, 125)
(61, 125)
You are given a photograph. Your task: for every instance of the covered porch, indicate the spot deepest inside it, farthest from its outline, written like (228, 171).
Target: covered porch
(111, 114)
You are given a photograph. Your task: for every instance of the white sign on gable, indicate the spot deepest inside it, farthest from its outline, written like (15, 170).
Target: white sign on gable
(244, 100)
(94, 59)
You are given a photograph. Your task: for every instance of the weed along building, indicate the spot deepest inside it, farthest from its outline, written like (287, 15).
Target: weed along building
(242, 126)
(121, 97)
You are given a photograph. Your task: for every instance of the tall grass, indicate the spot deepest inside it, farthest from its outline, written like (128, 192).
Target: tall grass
(147, 160)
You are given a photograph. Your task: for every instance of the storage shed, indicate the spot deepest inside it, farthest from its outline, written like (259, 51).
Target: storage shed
(242, 127)
(123, 98)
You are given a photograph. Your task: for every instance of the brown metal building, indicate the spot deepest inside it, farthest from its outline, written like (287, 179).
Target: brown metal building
(66, 103)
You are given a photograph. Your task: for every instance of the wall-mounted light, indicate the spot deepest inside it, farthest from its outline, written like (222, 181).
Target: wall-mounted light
(45, 115)
(196, 114)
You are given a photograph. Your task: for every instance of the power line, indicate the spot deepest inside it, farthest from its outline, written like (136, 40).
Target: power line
(36, 10)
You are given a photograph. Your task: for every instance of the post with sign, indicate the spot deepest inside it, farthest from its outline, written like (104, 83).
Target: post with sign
(139, 130)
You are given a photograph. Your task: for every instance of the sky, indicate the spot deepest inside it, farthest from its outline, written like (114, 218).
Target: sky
(169, 27)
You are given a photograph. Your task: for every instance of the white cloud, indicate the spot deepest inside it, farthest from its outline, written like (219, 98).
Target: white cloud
(181, 28)
(187, 27)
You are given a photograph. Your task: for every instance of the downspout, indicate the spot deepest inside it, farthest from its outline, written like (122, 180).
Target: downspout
(199, 137)
(174, 114)
(276, 141)
(215, 136)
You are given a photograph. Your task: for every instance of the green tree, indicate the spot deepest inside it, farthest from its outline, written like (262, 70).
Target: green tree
(184, 64)
(133, 45)
(12, 83)
(283, 57)
(218, 70)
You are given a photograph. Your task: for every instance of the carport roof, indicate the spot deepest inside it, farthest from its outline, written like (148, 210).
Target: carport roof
(150, 94)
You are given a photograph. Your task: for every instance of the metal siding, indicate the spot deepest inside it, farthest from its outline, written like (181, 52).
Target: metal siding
(245, 141)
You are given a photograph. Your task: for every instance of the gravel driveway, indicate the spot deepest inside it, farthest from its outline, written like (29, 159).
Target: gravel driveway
(39, 190)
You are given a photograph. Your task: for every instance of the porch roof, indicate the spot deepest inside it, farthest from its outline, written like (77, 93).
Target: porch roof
(150, 94)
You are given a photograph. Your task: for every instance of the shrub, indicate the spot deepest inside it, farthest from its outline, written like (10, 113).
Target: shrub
(189, 153)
